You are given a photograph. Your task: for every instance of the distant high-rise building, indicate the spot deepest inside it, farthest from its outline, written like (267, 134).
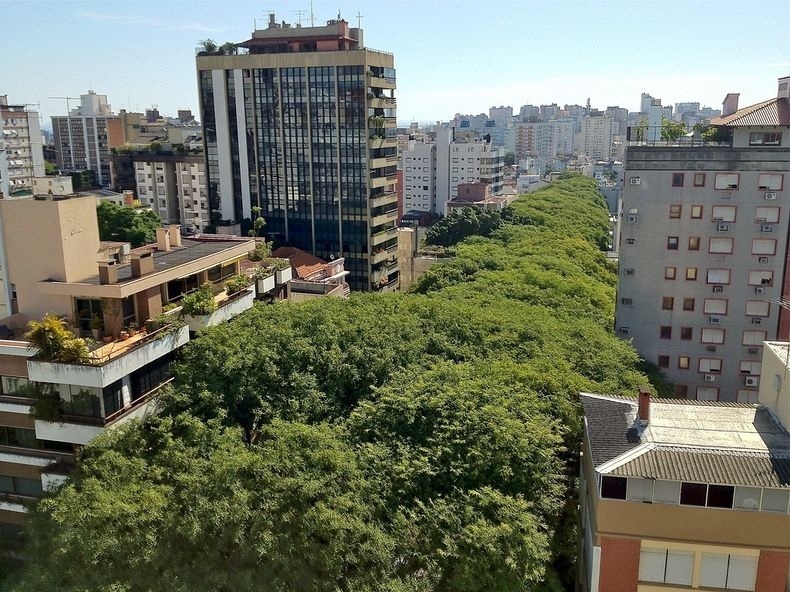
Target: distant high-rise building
(304, 126)
(21, 149)
(84, 137)
(597, 137)
(704, 251)
(529, 113)
(501, 115)
(619, 117)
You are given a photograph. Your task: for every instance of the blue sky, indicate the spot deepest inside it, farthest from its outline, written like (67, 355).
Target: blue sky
(451, 56)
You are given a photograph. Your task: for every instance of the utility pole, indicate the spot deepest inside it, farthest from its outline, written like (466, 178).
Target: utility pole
(68, 121)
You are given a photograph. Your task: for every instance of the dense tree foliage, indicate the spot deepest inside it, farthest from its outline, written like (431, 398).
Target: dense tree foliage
(117, 223)
(422, 442)
(462, 223)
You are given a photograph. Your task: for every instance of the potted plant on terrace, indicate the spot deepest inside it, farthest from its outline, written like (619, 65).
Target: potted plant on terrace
(237, 283)
(199, 302)
(55, 342)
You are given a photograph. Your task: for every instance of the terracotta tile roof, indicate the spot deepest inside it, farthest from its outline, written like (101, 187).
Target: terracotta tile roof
(722, 467)
(773, 112)
(303, 262)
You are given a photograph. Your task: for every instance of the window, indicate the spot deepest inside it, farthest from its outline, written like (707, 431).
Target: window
(613, 487)
(699, 179)
(21, 486)
(720, 245)
(763, 246)
(712, 335)
(754, 337)
(757, 308)
(709, 365)
(681, 390)
(663, 361)
(765, 139)
(677, 179)
(674, 211)
(626, 301)
(672, 243)
(715, 306)
(669, 273)
(731, 572)
(667, 492)
(688, 304)
(771, 182)
(665, 332)
(667, 303)
(724, 213)
(774, 500)
(718, 276)
(693, 243)
(684, 362)
(707, 393)
(761, 278)
(766, 214)
(686, 333)
(696, 212)
(750, 368)
(747, 396)
(691, 273)
(666, 566)
(693, 494)
(726, 181)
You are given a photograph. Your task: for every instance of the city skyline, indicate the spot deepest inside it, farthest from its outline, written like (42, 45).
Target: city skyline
(601, 50)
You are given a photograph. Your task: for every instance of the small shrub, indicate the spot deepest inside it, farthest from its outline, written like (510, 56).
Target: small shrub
(261, 251)
(237, 283)
(199, 302)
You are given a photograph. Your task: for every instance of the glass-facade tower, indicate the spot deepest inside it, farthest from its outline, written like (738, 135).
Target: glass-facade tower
(303, 126)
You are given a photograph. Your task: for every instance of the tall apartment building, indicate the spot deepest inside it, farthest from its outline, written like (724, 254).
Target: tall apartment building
(173, 186)
(704, 251)
(84, 136)
(501, 115)
(433, 171)
(304, 126)
(535, 139)
(596, 137)
(23, 157)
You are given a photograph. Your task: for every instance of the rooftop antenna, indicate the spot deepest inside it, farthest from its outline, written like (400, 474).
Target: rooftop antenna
(312, 16)
(359, 20)
(299, 15)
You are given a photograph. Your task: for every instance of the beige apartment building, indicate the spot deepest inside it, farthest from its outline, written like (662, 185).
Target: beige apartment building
(173, 186)
(704, 250)
(21, 149)
(684, 495)
(126, 302)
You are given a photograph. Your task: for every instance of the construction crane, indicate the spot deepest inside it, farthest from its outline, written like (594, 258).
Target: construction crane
(68, 117)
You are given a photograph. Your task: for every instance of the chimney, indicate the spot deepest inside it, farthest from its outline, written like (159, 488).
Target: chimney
(783, 91)
(644, 404)
(730, 104)
(142, 263)
(108, 272)
(175, 235)
(162, 239)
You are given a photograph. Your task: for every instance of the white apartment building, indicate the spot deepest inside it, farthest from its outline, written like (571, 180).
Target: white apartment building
(22, 156)
(432, 171)
(83, 138)
(596, 137)
(704, 251)
(174, 186)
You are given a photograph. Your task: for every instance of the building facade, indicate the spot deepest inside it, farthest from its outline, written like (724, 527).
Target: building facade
(84, 137)
(21, 152)
(683, 495)
(596, 137)
(704, 252)
(304, 126)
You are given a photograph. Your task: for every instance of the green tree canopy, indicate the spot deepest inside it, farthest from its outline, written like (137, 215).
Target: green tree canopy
(118, 223)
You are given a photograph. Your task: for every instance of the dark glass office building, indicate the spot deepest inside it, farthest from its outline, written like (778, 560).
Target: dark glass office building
(302, 124)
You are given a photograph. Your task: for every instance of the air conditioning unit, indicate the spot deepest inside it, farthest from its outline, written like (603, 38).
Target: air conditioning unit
(710, 378)
(722, 227)
(714, 320)
(757, 321)
(753, 350)
(635, 181)
(711, 349)
(751, 381)
(630, 241)
(631, 219)
(759, 290)
(718, 289)
(625, 330)
(768, 194)
(767, 228)
(762, 259)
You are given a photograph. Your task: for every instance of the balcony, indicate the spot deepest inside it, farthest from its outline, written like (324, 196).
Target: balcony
(378, 82)
(384, 161)
(383, 236)
(376, 182)
(383, 200)
(112, 361)
(377, 142)
(384, 254)
(390, 216)
(227, 308)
